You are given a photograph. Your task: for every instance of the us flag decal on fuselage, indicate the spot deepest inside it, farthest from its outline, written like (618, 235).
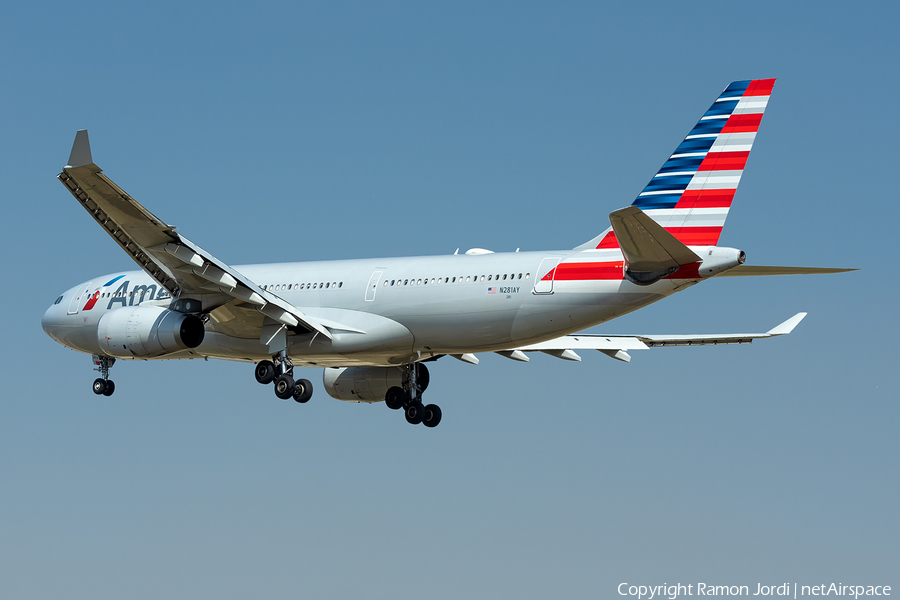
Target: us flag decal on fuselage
(492, 290)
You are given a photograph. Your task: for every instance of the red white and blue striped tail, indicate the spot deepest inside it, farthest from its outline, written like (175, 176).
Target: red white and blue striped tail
(692, 192)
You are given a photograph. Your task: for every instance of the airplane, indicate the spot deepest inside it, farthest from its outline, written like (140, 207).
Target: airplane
(372, 324)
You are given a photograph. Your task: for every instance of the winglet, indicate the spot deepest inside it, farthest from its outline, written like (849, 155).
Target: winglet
(81, 150)
(788, 326)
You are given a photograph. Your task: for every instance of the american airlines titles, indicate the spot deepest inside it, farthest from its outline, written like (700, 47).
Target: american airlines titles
(140, 293)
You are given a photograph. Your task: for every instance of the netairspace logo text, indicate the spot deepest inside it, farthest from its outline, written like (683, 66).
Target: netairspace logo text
(649, 592)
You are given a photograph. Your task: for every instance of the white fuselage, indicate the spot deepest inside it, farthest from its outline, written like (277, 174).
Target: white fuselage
(395, 310)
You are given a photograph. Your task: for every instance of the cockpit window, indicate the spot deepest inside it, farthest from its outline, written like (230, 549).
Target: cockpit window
(58, 300)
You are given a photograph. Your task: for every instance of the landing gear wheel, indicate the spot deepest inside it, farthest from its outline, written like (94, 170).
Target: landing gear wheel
(414, 413)
(265, 372)
(395, 398)
(303, 390)
(284, 386)
(110, 388)
(99, 386)
(431, 415)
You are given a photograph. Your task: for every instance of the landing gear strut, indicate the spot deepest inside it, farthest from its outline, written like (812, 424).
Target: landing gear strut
(409, 397)
(281, 370)
(103, 385)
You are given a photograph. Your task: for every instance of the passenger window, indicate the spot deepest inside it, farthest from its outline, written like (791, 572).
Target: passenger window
(432, 280)
(482, 277)
(467, 278)
(489, 278)
(454, 280)
(527, 275)
(340, 284)
(328, 285)
(520, 276)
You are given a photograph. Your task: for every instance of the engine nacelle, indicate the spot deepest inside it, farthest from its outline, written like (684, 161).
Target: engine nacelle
(361, 384)
(148, 331)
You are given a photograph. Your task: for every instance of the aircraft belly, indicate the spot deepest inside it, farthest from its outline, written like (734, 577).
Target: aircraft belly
(470, 330)
(546, 317)
(462, 317)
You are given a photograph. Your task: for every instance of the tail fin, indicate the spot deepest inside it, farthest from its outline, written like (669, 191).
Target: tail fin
(692, 192)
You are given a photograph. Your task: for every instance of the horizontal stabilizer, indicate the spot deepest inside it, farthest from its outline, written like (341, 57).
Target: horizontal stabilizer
(757, 271)
(650, 251)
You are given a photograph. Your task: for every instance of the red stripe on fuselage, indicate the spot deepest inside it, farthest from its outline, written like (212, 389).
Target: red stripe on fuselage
(691, 271)
(724, 161)
(706, 199)
(742, 124)
(610, 271)
(589, 271)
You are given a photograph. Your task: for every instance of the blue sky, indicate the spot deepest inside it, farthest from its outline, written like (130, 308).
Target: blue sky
(305, 131)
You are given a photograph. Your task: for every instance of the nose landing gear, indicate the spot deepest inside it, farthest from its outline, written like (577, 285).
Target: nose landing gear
(103, 385)
(409, 397)
(281, 370)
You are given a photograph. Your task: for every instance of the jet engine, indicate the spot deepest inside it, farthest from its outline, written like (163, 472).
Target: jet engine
(147, 331)
(361, 384)
(368, 384)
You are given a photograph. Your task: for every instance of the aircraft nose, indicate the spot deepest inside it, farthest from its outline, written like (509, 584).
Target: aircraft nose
(51, 320)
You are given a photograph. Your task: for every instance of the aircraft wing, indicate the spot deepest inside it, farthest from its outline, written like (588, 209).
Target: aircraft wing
(176, 263)
(616, 346)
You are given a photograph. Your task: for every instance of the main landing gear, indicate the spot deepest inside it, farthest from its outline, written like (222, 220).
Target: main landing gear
(281, 370)
(103, 385)
(409, 397)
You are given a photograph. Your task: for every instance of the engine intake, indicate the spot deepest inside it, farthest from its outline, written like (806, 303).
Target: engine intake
(148, 331)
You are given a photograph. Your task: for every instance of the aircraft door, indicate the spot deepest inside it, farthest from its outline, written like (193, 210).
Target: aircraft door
(373, 285)
(79, 297)
(543, 278)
